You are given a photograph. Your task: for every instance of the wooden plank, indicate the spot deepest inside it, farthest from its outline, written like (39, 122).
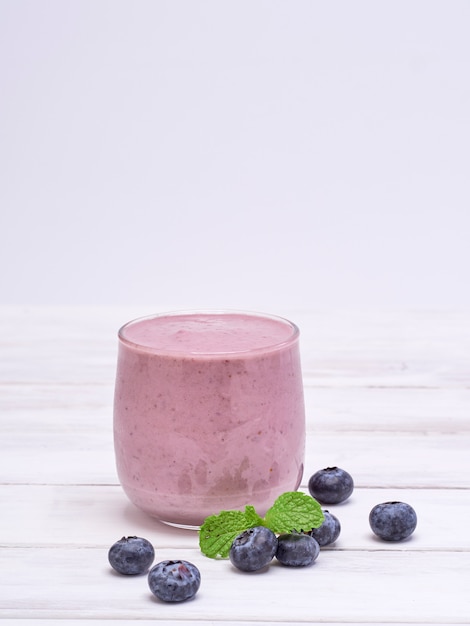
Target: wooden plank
(99, 515)
(376, 459)
(338, 348)
(77, 583)
(55, 398)
(351, 409)
(177, 622)
(173, 622)
(92, 515)
(82, 406)
(386, 460)
(152, 622)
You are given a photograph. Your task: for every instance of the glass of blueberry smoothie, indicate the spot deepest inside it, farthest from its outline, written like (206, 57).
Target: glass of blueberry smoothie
(208, 413)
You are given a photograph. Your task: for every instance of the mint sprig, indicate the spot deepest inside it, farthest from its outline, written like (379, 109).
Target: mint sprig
(217, 533)
(292, 510)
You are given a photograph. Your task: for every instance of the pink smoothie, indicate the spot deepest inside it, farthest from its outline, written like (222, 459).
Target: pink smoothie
(209, 413)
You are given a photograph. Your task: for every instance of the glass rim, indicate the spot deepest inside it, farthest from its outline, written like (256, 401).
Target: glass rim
(273, 347)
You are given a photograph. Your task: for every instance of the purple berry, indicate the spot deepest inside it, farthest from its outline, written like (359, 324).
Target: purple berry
(331, 485)
(297, 549)
(253, 549)
(174, 581)
(393, 521)
(131, 555)
(329, 530)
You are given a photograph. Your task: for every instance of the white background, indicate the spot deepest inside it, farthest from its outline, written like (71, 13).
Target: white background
(244, 154)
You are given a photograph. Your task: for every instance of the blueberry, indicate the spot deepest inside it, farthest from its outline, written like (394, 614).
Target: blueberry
(393, 521)
(328, 532)
(331, 485)
(253, 549)
(174, 581)
(131, 555)
(297, 549)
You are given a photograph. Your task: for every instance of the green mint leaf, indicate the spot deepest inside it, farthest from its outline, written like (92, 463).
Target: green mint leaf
(294, 510)
(217, 533)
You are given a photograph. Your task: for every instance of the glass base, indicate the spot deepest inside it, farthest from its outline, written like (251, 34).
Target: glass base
(181, 526)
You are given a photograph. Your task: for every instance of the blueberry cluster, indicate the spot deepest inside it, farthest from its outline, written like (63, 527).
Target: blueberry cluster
(390, 521)
(170, 581)
(256, 547)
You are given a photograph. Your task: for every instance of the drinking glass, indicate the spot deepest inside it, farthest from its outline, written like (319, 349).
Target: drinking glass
(208, 413)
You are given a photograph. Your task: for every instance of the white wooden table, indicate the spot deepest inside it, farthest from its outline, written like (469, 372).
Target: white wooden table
(388, 399)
